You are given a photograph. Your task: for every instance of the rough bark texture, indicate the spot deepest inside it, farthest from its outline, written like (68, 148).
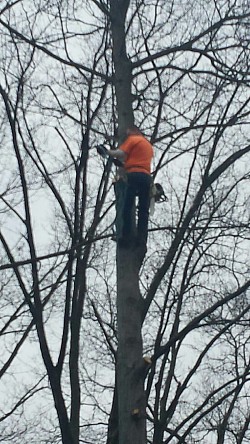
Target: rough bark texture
(129, 394)
(122, 64)
(130, 374)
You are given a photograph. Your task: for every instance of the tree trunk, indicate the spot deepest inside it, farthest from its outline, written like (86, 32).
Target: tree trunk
(122, 64)
(130, 364)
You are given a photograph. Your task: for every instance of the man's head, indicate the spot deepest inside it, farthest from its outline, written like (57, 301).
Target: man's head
(133, 130)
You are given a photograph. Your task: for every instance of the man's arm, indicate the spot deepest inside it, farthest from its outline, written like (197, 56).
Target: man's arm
(117, 154)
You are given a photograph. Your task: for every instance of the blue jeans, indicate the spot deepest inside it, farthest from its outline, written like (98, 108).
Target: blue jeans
(138, 185)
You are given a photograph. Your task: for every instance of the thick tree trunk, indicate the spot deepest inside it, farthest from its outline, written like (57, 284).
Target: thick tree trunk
(130, 364)
(122, 64)
(129, 397)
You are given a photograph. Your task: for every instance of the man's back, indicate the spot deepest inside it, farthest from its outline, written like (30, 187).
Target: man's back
(139, 154)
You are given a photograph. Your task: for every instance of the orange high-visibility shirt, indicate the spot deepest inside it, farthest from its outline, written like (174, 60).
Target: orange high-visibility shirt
(139, 153)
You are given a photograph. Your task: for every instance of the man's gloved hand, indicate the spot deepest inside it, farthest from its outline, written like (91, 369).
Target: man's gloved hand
(118, 162)
(102, 150)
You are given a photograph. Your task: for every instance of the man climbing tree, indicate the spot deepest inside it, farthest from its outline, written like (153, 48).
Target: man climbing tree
(72, 73)
(136, 152)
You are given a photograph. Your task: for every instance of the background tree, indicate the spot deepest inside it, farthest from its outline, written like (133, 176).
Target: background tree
(76, 75)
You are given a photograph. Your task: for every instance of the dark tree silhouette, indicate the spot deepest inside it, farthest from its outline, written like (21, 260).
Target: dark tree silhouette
(165, 334)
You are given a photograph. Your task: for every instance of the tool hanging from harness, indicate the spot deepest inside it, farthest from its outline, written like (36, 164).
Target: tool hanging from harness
(157, 195)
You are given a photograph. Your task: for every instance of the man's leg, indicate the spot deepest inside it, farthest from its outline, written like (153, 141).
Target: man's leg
(128, 206)
(143, 211)
(120, 192)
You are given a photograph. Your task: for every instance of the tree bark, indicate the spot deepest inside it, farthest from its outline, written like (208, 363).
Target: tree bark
(122, 64)
(130, 364)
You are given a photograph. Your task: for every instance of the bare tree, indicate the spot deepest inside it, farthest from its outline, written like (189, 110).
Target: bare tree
(169, 339)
